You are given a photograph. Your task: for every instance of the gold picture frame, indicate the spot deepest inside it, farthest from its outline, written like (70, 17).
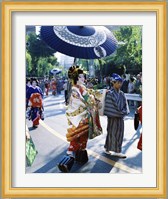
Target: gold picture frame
(7, 9)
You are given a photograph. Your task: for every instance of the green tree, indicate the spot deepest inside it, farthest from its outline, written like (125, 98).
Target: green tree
(28, 63)
(45, 64)
(128, 55)
(84, 63)
(42, 56)
(98, 64)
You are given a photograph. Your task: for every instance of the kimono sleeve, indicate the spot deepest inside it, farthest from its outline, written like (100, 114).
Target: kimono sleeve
(40, 91)
(28, 93)
(111, 108)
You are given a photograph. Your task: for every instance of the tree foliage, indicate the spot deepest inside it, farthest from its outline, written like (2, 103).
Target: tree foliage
(128, 56)
(39, 56)
(28, 63)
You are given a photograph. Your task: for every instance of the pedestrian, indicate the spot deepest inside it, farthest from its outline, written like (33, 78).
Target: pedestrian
(53, 86)
(138, 84)
(34, 95)
(42, 85)
(28, 84)
(131, 89)
(125, 83)
(115, 109)
(83, 120)
(47, 86)
(65, 87)
(58, 82)
(131, 85)
(108, 82)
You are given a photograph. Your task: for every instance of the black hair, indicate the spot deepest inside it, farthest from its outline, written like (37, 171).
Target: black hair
(34, 79)
(27, 80)
(74, 72)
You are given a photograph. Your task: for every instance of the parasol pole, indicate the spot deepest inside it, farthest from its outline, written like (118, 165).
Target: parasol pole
(101, 76)
(75, 59)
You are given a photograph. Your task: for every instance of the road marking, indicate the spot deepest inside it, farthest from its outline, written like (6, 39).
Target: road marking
(53, 131)
(112, 162)
(92, 153)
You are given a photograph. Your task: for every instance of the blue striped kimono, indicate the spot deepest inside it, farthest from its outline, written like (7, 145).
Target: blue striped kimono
(115, 109)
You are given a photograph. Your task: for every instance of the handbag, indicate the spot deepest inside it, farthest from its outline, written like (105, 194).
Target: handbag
(66, 163)
(81, 156)
(31, 152)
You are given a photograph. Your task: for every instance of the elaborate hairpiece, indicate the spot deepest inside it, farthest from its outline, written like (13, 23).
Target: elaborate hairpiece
(73, 71)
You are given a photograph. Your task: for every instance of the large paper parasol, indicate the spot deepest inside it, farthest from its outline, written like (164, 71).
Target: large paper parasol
(86, 42)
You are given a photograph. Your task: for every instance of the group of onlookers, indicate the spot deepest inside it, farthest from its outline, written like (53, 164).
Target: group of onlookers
(55, 85)
(131, 83)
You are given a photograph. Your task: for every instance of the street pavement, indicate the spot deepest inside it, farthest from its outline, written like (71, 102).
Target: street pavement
(50, 141)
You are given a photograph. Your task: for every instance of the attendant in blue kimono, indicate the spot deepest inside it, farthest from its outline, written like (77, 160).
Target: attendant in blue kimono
(34, 95)
(116, 108)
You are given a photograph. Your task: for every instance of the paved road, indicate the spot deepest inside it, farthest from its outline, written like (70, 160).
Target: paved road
(51, 144)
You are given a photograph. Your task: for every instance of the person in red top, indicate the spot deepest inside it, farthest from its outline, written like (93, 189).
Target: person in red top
(53, 86)
(47, 86)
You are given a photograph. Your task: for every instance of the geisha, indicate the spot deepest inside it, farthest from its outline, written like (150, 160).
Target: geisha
(83, 120)
(34, 95)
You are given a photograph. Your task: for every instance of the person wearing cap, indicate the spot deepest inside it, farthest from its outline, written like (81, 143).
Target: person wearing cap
(116, 108)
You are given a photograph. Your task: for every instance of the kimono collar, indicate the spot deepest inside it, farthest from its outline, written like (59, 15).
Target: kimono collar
(117, 91)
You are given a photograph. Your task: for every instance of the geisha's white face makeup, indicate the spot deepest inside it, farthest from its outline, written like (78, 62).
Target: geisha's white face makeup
(34, 83)
(81, 78)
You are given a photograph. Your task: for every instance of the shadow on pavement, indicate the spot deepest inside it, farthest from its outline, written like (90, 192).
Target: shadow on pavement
(54, 113)
(51, 164)
(134, 162)
(32, 128)
(131, 141)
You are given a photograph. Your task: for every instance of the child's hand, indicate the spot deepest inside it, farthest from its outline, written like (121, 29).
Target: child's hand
(27, 136)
